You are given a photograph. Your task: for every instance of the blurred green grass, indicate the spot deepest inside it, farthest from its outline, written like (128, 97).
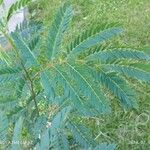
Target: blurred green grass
(133, 15)
(130, 130)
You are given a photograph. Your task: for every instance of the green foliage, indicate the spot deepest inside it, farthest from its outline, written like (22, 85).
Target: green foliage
(104, 146)
(57, 31)
(67, 83)
(1, 1)
(24, 51)
(88, 40)
(17, 134)
(17, 6)
(3, 126)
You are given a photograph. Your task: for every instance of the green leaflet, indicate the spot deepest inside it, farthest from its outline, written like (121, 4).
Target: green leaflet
(53, 133)
(3, 127)
(61, 117)
(81, 135)
(20, 87)
(62, 141)
(73, 95)
(25, 52)
(57, 31)
(8, 78)
(132, 72)
(88, 88)
(143, 66)
(16, 6)
(93, 40)
(31, 34)
(59, 122)
(44, 142)
(10, 70)
(118, 87)
(120, 90)
(17, 134)
(92, 106)
(113, 54)
(47, 86)
(105, 146)
(39, 125)
(5, 57)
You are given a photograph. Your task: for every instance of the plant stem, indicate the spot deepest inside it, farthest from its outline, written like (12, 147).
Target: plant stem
(32, 88)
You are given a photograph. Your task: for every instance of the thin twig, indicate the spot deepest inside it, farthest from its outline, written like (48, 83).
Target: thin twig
(32, 88)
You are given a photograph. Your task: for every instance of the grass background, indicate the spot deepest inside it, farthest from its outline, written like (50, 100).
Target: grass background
(130, 130)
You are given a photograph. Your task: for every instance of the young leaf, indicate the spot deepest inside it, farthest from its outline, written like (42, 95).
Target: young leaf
(93, 40)
(57, 31)
(10, 70)
(84, 107)
(95, 98)
(44, 142)
(113, 54)
(81, 135)
(132, 72)
(117, 86)
(25, 52)
(4, 124)
(47, 86)
(62, 141)
(17, 134)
